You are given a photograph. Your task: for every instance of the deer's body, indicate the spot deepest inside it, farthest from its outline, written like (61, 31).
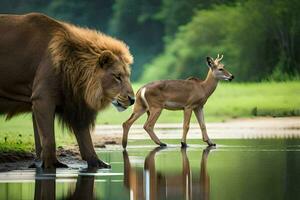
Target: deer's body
(188, 95)
(177, 94)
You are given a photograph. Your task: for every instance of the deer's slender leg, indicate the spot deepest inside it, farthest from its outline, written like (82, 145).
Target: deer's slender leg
(126, 125)
(186, 126)
(149, 125)
(200, 117)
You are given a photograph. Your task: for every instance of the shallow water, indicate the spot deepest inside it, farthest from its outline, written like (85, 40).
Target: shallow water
(236, 169)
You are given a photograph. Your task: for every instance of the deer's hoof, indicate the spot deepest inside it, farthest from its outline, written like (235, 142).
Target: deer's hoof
(210, 143)
(162, 144)
(184, 145)
(124, 144)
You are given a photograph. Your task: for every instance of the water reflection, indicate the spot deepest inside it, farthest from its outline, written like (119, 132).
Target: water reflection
(151, 184)
(45, 184)
(147, 182)
(236, 170)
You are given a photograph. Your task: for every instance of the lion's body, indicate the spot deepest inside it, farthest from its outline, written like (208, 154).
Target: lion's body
(51, 67)
(23, 44)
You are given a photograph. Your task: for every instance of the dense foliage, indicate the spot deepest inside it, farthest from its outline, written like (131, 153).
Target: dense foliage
(260, 39)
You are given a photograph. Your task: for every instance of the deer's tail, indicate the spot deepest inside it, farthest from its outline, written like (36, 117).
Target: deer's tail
(143, 97)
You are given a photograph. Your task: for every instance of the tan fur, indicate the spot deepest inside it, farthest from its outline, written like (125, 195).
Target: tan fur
(189, 95)
(75, 52)
(143, 92)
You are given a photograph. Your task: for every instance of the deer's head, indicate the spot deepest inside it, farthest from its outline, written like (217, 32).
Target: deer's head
(217, 68)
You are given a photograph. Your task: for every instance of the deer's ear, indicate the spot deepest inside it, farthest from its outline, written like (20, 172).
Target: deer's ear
(210, 62)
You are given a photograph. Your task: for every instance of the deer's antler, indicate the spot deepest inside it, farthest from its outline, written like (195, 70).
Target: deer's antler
(218, 59)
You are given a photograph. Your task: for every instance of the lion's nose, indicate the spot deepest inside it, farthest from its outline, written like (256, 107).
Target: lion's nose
(131, 99)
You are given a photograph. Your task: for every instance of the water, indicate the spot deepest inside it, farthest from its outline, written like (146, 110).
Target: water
(237, 169)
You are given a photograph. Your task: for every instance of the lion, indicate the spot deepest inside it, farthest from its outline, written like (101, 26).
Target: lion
(52, 68)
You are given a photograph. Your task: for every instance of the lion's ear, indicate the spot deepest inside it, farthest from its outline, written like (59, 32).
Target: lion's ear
(106, 59)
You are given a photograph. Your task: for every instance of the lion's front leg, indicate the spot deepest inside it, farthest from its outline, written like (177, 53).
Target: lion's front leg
(44, 113)
(37, 141)
(87, 150)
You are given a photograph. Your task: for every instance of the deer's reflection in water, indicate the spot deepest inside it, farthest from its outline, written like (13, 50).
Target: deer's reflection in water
(152, 184)
(45, 185)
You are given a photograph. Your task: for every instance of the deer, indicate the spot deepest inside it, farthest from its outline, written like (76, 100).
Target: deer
(189, 95)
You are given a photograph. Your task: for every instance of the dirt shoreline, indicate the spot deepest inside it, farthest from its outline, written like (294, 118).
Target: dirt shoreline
(22, 160)
(242, 128)
(70, 155)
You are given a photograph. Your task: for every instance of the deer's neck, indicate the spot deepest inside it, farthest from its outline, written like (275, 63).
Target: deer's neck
(210, 83)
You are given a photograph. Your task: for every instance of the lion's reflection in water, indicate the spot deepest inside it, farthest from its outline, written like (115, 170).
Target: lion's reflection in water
(153, 184)
(45, 187)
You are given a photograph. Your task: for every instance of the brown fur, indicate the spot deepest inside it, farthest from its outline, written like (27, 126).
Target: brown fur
(75, 53)
(50, 67)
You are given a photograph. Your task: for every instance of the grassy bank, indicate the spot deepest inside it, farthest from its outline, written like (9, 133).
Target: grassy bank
(17, 134)
(230, 100)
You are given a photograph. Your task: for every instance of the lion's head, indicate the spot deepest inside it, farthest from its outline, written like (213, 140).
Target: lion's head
(113, 74)
(95, 67)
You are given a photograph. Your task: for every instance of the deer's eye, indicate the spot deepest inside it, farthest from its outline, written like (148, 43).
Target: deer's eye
(221, 69)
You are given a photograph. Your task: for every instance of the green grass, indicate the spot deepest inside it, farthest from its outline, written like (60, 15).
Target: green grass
(17, 134)
(230, 100)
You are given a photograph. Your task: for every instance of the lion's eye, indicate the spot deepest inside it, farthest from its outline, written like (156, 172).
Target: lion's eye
(118, 78)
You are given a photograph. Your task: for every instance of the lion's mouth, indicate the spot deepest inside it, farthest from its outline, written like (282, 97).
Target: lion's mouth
(118, 105)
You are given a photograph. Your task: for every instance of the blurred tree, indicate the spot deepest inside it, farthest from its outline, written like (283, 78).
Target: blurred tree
(283, 21)
(185, 55)
(23, 6)
(133, 22)
(258, 43)
(94, 14)
(174, 13)
(85, 13)
(268, 39)
(260, 38)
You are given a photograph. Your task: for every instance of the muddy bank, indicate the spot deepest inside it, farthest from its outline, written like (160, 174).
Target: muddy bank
(22, 160)
(14, 160)
(69, 155)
